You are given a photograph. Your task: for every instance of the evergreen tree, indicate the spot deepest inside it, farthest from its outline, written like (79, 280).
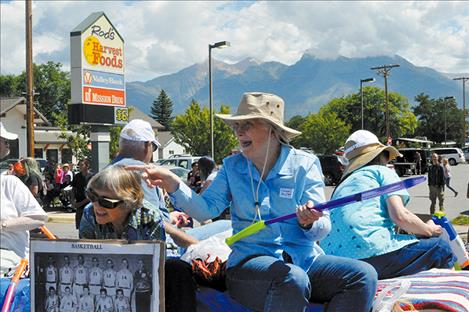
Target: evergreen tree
(162, 109)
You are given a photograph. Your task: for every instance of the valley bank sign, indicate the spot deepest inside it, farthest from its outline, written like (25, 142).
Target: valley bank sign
(97, 59)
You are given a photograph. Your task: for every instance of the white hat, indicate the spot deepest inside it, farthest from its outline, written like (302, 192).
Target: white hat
(265, 106)
(139, 130)
(5, 134)
(362, 147)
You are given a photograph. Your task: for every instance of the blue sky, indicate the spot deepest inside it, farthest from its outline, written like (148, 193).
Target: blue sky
(164, 37)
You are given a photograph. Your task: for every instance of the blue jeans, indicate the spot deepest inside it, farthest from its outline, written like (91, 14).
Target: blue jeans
(265, 283)
(427, 253)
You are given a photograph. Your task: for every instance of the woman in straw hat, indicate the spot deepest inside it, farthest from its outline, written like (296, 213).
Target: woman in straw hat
(365, 230)
(280, 268)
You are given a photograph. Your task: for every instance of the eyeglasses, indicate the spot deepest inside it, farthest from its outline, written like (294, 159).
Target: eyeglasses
(242, 126)
(107, 203)
(155, 147)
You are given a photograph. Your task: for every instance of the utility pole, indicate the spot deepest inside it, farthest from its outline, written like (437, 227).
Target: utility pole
(29, 81)
(463, 79)
(384, 71)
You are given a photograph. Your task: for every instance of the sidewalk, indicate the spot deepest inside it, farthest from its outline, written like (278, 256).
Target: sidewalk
(61, 217)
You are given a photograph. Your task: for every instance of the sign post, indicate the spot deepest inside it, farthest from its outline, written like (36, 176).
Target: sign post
(98, 82)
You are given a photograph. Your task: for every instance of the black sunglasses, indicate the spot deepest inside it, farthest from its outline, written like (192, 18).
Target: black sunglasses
(104, 202)
(155, 147)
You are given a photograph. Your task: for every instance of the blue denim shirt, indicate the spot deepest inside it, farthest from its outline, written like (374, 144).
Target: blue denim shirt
(295, 178)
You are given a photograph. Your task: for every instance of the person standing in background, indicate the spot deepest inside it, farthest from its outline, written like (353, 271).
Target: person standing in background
(79, 184)
(418, 163)
(447, 171)
(436, 184)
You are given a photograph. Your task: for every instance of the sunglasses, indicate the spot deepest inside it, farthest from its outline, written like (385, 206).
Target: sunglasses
(242, 126)
(104, 202)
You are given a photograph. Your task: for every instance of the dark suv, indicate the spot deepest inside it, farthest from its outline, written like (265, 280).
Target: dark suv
(332, 168)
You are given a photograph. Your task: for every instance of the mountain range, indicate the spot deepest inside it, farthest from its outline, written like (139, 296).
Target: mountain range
(305, 86)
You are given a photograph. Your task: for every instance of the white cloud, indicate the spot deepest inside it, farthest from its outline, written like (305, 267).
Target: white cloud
(164, 37)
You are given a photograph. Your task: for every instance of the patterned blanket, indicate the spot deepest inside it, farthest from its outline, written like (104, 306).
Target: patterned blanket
(439, 289)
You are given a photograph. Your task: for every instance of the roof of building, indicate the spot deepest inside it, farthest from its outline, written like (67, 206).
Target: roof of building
(165, 137)
(49, 136)
(135, 113)
(8, 103)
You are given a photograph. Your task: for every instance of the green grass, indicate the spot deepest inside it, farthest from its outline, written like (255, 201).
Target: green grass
(461, 220)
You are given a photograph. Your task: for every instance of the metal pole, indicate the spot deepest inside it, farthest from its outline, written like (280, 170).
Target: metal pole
(210, 99)
(386, 116)
(464, 79)
(361, 99)
(464, 112)
(384, 70)
(445, 122)
(29, 82)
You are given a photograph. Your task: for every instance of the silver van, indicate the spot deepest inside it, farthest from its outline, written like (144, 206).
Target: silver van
(453, 154)
(184, 161)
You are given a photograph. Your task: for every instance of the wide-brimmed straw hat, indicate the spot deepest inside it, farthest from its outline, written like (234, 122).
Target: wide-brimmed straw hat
(264, 106)
(362, 147)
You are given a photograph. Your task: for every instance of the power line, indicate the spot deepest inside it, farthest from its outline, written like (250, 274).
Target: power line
(384, 71)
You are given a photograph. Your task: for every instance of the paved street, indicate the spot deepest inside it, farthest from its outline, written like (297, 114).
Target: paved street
(419, 204)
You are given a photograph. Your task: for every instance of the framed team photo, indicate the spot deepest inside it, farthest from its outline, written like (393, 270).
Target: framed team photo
(97, 275)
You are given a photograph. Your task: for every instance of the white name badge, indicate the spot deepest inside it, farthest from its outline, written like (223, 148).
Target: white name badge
(286, 193)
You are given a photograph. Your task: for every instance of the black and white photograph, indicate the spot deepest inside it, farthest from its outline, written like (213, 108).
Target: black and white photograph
(96, 276)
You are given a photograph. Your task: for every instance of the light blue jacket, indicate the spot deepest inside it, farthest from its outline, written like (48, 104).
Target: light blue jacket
(295, 178)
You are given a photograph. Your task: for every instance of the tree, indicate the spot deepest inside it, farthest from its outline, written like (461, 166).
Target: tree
(323, 132)
(162, 109)
(79, 137)
(431, 115)
(53, 86)
(192, 130)
(348, 108)
(9, 85)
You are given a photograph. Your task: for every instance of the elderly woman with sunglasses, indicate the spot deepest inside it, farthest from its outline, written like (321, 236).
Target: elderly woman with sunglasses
(119, 211)
(280, 268)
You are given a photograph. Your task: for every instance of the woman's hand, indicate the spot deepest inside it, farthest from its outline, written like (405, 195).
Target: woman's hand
(157, 176)
(180, 219)
(306, 215)
(436, 230)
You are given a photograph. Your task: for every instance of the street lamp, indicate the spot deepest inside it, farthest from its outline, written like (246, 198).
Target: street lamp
(445, 99)
(463, 80)
(361, 92)
(217, 45)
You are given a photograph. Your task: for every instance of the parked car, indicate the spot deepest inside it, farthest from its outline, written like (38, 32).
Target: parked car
(184, 161)
(332, 168)
(453, 154)
(179, 171)
(42, 163)
(466, 152)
